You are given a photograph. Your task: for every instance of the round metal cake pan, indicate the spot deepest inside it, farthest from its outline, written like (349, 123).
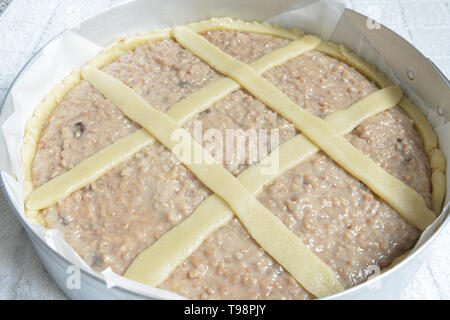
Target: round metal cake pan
(132, 17)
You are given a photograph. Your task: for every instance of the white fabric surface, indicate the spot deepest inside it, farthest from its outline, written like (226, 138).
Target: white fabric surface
(27, 25)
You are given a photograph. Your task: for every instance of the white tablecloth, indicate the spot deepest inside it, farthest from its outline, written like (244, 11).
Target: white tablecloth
(26, 26)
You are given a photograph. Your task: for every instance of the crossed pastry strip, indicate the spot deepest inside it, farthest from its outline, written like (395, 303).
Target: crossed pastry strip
(153, 267)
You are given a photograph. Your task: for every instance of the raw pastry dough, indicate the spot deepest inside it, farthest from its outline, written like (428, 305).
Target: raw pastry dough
(93, 167)
(406, 201)
(286, 248)
(158, 261)
(176, 245)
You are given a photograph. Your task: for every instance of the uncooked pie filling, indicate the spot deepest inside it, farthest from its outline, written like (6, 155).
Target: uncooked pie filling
(346, 225)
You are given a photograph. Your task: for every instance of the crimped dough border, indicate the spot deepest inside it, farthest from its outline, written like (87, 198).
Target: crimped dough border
(43, 111)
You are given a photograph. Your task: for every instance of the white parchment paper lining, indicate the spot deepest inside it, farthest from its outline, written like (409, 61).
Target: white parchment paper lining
(71, 51)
